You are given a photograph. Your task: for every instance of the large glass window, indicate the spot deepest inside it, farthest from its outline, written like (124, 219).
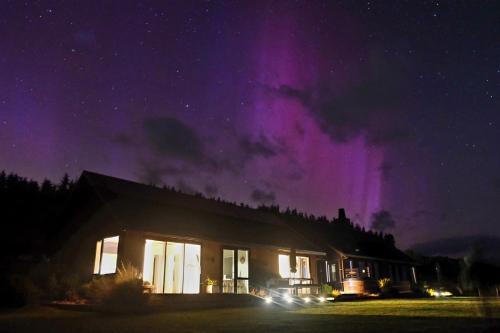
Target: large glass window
(106, 255)
(227, 271)
(284, 265)
(154, 263)
(174, 272)
(235, 261)
(334, 272)
(302, 266)
(171, 267)
(192, 269)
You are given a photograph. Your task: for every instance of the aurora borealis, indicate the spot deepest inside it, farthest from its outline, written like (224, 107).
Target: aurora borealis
(311, 105)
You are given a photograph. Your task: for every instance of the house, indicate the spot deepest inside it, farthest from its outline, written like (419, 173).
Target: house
(180, 241)
(357, 260)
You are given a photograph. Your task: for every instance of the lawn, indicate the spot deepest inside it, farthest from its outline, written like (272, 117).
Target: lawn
(429, 315)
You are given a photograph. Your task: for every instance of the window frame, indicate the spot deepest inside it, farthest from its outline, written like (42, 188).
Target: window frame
(101, 252)
(235, 279)
(184, 243)
(293, 278)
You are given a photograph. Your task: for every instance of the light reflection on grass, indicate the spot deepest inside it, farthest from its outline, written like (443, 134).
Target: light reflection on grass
(449, 307)
(426, 315)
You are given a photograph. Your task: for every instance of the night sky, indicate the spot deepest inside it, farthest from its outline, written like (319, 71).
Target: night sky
(366, 105)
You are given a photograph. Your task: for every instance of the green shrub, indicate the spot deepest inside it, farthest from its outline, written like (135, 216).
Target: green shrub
(326, 289)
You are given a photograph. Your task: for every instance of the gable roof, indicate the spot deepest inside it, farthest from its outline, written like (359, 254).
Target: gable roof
(340, 236)
(140, 207)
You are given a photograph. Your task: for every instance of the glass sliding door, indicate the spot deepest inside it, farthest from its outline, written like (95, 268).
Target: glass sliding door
(174, 272)
(235, 271)
(154, 265)
(171, 267)
(192, 269)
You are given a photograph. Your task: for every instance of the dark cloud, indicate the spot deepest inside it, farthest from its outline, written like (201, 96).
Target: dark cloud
(123, 139)
(382, 220)
(178, 149)
(172, 138)
(263, 197)
(169, 138)
(211, 190)
(296, 171)
(488, 245)
(184, 187)
(260, 147)
(370, 107)
(153, 173)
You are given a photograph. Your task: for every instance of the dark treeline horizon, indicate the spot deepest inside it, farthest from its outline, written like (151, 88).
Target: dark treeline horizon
(31, 224)
(30, 211)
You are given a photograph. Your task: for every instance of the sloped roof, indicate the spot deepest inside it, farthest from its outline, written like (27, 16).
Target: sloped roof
(136, 206)
(343, 238)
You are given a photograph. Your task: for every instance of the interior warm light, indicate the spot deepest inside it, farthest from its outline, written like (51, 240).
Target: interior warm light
(302, 266)
(106, 255)
(171, 267)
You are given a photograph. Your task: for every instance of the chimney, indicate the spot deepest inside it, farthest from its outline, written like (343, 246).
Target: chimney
(342, 214)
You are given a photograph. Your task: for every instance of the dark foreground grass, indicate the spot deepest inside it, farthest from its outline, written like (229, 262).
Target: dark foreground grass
(450, 315)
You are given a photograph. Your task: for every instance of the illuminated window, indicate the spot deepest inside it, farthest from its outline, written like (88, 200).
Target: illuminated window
(334, 272)
(302, 264)
(172, 268)
(192, 269)
(97, 261)
(235, 271)
(106, 255)
(154, 261)
(284, 265)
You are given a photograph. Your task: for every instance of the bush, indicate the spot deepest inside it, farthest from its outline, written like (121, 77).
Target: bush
(24, 291)
(43, 282)
(98, 289)
(336, 292)
(326, 289)
(123, 293)
(385, 284)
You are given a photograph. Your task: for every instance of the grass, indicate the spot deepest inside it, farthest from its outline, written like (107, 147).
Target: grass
(429, 315)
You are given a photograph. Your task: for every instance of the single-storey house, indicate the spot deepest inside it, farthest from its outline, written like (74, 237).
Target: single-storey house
(358, 260)
(187, 244)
